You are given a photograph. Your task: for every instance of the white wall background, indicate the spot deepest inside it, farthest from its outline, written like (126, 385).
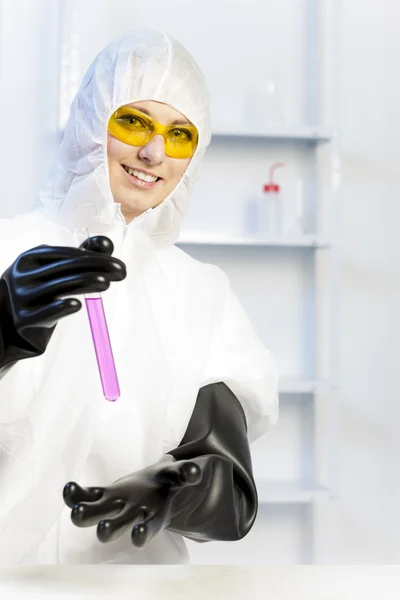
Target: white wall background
(368, 116)
(29, 75)
(257, 40)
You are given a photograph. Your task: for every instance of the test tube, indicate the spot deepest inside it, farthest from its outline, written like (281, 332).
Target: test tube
(102, 347)
(101, 340)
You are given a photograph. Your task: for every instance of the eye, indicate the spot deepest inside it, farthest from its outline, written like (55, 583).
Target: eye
(181, 135)
(132, 121)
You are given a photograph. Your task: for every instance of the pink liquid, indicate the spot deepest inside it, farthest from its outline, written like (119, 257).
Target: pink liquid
(102, 346)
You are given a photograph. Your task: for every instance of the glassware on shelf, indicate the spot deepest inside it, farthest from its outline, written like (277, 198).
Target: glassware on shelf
(264, 108)
(271, 206)
(273, 106)
(294, 214)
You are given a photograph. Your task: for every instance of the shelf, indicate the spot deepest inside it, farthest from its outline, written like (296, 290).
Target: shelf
(297, 134)
(296, 241)
(290, 492)
(303, 386)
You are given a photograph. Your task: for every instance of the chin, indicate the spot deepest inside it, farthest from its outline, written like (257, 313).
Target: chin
(133, 210)
(135, 206)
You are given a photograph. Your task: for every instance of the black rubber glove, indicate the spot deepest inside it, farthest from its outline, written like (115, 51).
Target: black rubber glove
(35, 293)
(140, 502)
(224, 505)
(207, 494)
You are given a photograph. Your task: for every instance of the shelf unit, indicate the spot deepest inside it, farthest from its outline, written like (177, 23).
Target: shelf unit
(309, 135)
(215, 239)
(304, 386)
(320, 394)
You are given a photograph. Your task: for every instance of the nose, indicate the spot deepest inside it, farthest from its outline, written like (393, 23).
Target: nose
(154, 151)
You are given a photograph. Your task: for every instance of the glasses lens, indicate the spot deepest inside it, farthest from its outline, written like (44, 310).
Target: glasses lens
(181, 142)
(130, 127)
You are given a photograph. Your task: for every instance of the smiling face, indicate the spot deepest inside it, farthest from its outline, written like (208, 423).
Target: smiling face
(141, 177)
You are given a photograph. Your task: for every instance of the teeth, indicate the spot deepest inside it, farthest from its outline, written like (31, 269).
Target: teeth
(141, 175)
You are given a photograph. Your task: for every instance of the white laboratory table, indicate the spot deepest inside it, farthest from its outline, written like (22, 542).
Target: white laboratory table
(201, 582)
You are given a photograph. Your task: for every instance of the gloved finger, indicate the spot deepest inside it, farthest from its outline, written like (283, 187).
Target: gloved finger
(43, 255)
(180, 473)
(144, 532)
(87, 514)
(75, 284)
(48, 316)
(109, 530)
(85, 263)
(99, 243)
(190, 472)
(74, 493)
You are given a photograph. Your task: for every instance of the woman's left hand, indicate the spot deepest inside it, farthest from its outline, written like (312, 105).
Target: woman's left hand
(140, 502)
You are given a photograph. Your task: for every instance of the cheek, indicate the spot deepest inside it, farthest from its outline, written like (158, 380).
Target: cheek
(179, 167)
(118, 151)
(112, 148)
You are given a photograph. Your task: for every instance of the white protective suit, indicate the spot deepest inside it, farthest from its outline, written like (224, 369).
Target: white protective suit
(174, 323)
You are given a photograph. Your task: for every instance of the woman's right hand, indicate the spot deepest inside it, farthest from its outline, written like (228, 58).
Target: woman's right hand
(38, 290)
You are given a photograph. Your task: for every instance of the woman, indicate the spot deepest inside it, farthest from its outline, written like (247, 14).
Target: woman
(170, 457)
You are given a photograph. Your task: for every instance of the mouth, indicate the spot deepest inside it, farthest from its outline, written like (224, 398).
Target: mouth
(140, 178)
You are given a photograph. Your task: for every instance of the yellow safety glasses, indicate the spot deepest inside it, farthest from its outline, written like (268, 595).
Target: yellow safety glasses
(135, 128)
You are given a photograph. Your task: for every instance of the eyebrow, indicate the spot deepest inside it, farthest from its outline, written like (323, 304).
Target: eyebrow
(176, 122)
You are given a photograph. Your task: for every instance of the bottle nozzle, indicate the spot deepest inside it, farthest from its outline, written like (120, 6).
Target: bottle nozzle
(271, 186)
